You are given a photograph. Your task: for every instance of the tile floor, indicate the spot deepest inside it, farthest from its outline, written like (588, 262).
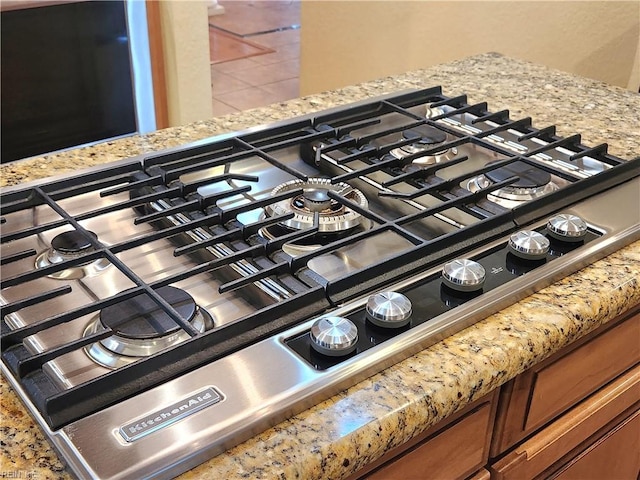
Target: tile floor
(259, 80)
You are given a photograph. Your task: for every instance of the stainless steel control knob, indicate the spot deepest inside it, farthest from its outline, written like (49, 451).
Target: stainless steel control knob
(389, 309)
(529, 245)
(334, 336)
(567, 227)
(463, 275)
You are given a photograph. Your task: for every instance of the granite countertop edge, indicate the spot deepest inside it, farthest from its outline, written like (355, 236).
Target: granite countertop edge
(340, 435)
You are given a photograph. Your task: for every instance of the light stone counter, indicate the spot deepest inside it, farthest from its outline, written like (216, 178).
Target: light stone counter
(342, 434)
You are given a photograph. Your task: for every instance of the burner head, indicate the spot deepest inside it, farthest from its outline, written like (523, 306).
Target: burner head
(335, 220)
(425, 135)
(333, 215)
(67, 246)
(528, 175)
(316, 199)
(531, 183)
(140, 317)
(72, 242)
(142, 328)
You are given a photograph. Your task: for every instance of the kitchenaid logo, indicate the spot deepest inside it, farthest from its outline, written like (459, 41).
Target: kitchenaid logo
(170, 414)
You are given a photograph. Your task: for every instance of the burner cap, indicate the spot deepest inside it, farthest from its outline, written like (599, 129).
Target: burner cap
(141, 318)
(71, 245)
(316, 199)
(528, 175)
(72, 241)
(425, 135)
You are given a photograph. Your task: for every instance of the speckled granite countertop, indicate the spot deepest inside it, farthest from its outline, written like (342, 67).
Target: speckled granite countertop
(340, 435)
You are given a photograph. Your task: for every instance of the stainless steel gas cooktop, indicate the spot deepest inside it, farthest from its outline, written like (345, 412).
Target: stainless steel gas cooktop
(163, 309)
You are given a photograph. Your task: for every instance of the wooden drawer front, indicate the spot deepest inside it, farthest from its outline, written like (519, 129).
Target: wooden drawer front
(576, 375)
(604, 459)
(547, 450)
(456, 452)
(548, 389)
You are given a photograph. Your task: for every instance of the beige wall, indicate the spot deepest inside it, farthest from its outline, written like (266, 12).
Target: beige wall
(346, 42)
(185, 35)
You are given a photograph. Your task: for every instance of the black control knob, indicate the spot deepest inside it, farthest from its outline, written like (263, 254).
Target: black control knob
(389, 309)
(529, 245)
(334, 336)
(463, 275)
(567, 227)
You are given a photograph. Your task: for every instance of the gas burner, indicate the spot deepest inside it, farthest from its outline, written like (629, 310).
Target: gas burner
(141, 327)
(532, 183)
(426, 138)
(334, 218)
(67, 246)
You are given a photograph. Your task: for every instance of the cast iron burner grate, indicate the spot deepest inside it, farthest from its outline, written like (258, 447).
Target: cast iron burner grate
(529, 176)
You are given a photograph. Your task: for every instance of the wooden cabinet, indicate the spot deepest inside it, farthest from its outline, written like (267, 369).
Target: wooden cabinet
(550, 388)
(456, 448)
(603, 459)
(602, 426)
(575, 415)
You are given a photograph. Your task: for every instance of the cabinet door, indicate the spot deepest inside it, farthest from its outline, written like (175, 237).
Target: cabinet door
(548, 389)
(587, 424)
(456, 452)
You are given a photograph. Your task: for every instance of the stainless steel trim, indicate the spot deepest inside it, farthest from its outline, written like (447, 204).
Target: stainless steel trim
(61, 440)
(170, 414)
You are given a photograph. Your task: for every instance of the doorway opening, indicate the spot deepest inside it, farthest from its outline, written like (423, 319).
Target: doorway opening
(255, 53)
